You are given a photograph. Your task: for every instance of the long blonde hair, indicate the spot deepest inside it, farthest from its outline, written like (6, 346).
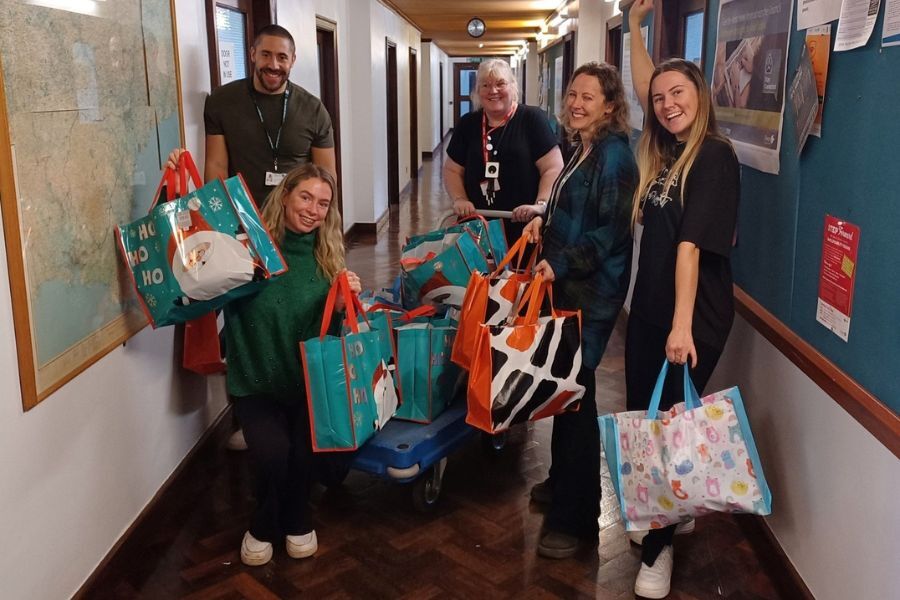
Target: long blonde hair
(613, 92)
(329, 249)
(656, 148)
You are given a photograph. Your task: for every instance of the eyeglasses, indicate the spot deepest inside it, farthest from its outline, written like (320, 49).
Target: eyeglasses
(500, 85)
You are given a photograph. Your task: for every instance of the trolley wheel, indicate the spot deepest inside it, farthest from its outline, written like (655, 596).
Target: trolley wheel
(493, 443)
(427, 489)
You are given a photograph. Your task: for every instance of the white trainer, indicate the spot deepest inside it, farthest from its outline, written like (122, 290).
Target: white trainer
(682, 528)
(655, 581)
(301, 546)
(237, 441)
(254, 552)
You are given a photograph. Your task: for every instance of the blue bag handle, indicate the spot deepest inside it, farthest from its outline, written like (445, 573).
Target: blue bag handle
(691, 397)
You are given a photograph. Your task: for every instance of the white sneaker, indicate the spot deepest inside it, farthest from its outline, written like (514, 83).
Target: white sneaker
(254, 552)
(237, 441)
(682, 528)
(655, 581)
(301, 546)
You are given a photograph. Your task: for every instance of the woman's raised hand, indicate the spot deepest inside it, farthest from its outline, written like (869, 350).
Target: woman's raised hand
(639, 10)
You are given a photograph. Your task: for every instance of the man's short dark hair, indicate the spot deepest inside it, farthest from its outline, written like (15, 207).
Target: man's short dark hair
(274, 31)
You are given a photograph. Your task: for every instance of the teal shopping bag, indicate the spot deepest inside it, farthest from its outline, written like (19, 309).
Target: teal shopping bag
(490, 235)
(426, 376)
(437, 268)
(193, 254)
(349, 389)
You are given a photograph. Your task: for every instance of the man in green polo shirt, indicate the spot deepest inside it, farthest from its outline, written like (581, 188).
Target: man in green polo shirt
(264, 125)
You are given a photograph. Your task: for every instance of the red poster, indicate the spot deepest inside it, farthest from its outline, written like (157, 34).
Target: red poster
(837, 275)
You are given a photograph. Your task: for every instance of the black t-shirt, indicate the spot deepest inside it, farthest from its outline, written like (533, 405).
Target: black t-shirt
(230, 111)
(708, 220)
(518, 146)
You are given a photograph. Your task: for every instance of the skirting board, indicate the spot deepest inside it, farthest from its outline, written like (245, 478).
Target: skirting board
(213, 436)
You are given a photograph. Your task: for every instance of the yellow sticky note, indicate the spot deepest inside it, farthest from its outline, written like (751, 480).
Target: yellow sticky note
(847, 266)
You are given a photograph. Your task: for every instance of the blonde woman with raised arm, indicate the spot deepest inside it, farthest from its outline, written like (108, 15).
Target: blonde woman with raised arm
(682, 305)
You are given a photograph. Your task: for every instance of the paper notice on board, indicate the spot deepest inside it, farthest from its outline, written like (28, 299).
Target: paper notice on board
(837, 276)
(818, 43)
(890, 33)
(856, 24)
(816, 12)
(635, 112)
(804, 99)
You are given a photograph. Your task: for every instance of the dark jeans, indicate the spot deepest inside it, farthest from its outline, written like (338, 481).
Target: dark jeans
(280, 449)
(575, 467)
(645, 351)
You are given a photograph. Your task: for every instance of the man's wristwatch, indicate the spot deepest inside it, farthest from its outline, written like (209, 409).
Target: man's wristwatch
(542, 205)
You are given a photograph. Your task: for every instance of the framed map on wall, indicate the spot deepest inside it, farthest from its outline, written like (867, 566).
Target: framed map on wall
(89, 104)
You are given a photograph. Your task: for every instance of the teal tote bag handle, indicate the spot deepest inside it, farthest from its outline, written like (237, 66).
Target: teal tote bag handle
(691, 397)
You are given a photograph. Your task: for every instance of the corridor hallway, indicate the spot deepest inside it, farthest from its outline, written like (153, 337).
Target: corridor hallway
(480, 541)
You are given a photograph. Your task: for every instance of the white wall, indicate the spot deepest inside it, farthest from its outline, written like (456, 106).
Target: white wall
(430, 107)
(361, 30)
(590, 41)
(79, 468)
(532, 68)
(835, 487)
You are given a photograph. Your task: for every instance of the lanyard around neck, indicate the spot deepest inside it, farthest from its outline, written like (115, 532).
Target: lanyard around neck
(273, 145)
(485, 132)
(574, 162)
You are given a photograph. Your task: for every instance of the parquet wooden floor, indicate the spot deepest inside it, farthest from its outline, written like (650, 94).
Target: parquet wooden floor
(478, 543)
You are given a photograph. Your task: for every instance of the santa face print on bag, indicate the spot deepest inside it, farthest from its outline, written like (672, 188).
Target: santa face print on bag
(306, 206)
(207, 263)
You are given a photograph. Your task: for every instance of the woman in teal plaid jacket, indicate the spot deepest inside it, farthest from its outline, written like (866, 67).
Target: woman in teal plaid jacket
(587, 246)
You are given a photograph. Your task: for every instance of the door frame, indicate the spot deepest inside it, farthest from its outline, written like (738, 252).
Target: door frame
(414, 153)
(457, 98)
(392, 118)
(329, 91)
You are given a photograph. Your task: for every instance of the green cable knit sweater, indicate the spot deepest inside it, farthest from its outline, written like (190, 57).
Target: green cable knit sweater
(263, 331)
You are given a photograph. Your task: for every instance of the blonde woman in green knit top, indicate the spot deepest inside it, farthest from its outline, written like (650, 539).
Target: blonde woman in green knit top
(264, 376)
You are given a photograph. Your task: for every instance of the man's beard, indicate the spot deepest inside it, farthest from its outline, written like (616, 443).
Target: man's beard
(263, 82)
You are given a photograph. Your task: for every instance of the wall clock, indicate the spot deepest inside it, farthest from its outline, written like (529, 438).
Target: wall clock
(475, 27)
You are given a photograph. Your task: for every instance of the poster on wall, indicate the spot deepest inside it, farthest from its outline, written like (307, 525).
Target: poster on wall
(890, 29)
(818, 43)
(817, 12)
(856, 24)
(749, 73)
(837, 276)
(557, 85)
(804, 100)
(635, 112)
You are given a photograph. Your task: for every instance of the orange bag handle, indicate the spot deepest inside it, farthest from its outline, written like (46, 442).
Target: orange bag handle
(517, 251)
(534, 298)
(352, 305)
(175, 180)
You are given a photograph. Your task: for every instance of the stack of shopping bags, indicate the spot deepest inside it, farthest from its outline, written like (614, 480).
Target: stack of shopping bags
(696, 458)
(526, 367)
(436, 266)
(523, 355)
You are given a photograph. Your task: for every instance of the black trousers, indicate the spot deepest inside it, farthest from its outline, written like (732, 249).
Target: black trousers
(575, 467)
(645, 351)
(280, 449)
